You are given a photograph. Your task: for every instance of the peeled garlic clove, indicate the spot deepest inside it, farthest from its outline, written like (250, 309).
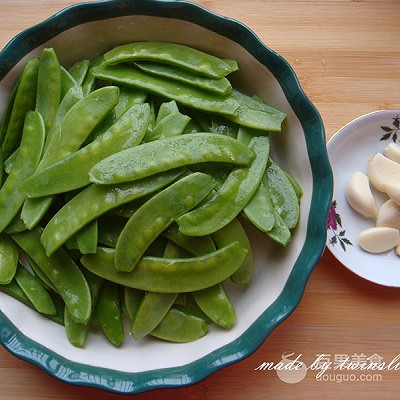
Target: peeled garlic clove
(393, 191)
(389, 215)
(379, 239)
(359, 195)
(392, 151)
(382, 170)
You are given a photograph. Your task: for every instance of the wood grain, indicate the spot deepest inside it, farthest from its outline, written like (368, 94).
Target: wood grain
(346, 55)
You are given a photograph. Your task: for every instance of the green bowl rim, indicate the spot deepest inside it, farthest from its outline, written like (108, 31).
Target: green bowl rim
(121, 382)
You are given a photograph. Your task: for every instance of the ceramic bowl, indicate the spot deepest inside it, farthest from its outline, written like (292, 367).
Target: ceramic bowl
(349, 151)
(280, 275)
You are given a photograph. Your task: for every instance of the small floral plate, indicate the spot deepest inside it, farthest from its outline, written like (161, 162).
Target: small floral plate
(349, 150)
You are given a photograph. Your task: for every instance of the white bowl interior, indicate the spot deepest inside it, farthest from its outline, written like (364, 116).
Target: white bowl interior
(273, 264)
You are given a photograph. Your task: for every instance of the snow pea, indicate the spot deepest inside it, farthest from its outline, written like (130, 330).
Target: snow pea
(96, 200)
(5, 120)
(171, 53)
(183, 94)
(13, 290)
(221, 86)
(127, 98)
(166, 108)
(86, 238)
(35, 291)
(76, 332)
(283, 194)
(173, 152)
(67, 81)
(89, 111)
(280, 232)
(169, 275)
(72, 96)
(25, 100)
(237, 190)
(154, 216)
(63, 273)
(12, 195)
(256, 114)
(48, 93)
(132, 299)
(172, 125)
(109, 312)
(152, 309)
(8, 259)
(180, 327)
(229, 233)
(72, 172)
(79, 71)
(215, 303)
(194, 245)
(260, 210)
(89, 82)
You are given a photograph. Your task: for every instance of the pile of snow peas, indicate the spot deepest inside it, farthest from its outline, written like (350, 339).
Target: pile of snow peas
(125, 182)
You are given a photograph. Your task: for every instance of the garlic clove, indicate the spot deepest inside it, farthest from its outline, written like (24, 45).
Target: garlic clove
(389, 215)
(392, 151)
(393, 191)
(382, 170)
(379, 239)
(359, 195)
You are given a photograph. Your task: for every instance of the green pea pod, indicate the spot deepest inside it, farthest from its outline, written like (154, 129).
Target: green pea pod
(280, 233)
(221, 86)
(283, 195)
(5, 120)
(25, 99)
(172, 125)
(35, 291)
(237, 190)
(8, 259)
(229, 233)
(86, 238)
(180, 327)
(13, 290)
(2, 170)
(256, 114)
(63, 273)
(9, 162)
(67, 81)
(154, 216)
(260, 210)
(152, 309)
(194, 245)
(183, 94)
(89, 82)
(132, 300)
(94, 201)
(89, 111)
(71, 97)
(215, 303)
(76, 332)
(173, 152)
(166, 108)
(128, 98)
(171, 53)
(48, 94)
(168, 275)
(72, 172)
(79, 70)
(109, 312)
(12, 195)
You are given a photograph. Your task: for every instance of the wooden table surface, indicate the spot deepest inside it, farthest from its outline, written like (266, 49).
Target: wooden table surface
(347, 57)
